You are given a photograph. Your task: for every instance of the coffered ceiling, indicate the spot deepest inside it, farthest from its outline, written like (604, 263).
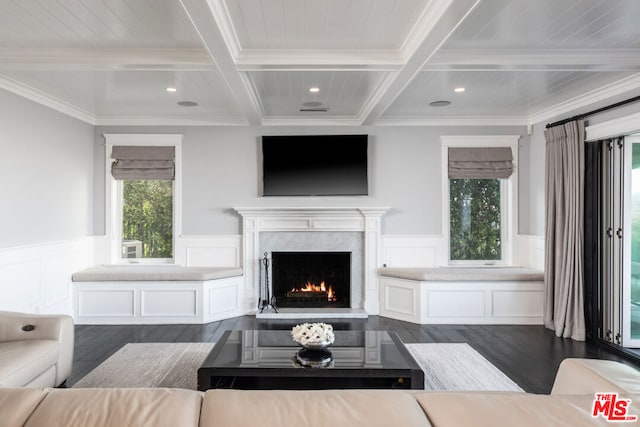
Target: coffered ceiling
(373, 62)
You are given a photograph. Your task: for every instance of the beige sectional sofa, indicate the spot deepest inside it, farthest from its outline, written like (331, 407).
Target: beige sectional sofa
(569, 404)
(35, 350)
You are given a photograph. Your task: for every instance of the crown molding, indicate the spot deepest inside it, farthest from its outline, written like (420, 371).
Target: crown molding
(168, 120)
(47, 100)
(601, 94)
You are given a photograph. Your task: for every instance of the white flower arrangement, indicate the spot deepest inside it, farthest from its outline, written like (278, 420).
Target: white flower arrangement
(313, 333)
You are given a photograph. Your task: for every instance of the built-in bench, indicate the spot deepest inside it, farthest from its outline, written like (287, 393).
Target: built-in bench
(462, 295)
(139, 294)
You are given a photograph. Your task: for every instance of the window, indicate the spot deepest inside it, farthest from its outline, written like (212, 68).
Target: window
(147, 219)
(475, 219)
(143, 175)
(479, 198)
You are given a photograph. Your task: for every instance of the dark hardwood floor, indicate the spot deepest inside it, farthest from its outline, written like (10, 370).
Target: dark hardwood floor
(529, 355)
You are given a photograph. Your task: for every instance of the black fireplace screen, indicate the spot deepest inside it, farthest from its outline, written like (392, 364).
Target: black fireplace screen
(311, 279)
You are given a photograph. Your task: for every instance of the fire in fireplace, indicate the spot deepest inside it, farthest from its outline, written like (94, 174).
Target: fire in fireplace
(311, 279)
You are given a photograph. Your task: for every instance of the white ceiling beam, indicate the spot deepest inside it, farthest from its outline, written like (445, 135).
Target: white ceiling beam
(193, 59)
(316, 59)
(535, 60)
(437, 23)
(201, 15)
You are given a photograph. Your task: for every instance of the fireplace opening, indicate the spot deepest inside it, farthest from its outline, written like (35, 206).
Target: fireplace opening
(311, 279)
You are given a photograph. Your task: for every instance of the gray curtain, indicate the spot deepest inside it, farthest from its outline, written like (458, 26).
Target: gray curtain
(480, 162)
(142, 162)
(564, 233)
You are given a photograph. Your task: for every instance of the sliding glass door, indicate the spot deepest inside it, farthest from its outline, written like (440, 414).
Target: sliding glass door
(612, 241)
(631, 260)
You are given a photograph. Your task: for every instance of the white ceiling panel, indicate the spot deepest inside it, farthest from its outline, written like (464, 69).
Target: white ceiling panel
(494, 93)
(323, 24)
(344, 93)
(95, 23)
(120, 93)
(553, 24)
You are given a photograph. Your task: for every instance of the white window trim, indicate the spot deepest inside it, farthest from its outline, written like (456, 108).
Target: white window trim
(113, 193)
(510, 186)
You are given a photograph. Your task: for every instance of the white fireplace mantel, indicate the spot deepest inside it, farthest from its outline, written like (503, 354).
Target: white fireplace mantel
(312, 219)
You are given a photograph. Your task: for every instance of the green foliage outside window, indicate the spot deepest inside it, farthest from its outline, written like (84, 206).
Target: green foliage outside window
(148, 216)
(474, 215)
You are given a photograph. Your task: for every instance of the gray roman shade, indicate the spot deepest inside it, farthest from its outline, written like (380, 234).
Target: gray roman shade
(480, 162)
(142, 162)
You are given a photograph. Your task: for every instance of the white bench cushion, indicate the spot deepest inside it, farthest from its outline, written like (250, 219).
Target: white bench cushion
(129, 273)
(458, 274)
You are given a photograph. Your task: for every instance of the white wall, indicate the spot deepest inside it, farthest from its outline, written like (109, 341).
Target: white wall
(221, 169)
(46, 174)
(47, 205)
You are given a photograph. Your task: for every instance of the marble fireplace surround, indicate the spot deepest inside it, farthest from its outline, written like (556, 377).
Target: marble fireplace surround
(349, 229)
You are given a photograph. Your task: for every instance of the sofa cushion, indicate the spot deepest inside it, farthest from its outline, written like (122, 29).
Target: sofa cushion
(335, 408)
(17, 404)
(117, 407)
(512, 409)
(588, 376)
(22, 361)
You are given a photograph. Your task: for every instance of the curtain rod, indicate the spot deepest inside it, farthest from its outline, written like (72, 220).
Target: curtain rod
(590, 113)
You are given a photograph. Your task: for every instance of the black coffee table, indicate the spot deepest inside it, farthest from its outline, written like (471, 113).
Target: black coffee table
(266, 359)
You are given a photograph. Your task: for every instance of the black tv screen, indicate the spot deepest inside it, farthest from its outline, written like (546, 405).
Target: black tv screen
(315, 165)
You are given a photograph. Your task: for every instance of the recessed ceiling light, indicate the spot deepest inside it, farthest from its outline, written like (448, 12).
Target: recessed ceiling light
(314, 89)
(171, 89)
(440, 103)
(312, 104)
(187, 104)
(459, 89)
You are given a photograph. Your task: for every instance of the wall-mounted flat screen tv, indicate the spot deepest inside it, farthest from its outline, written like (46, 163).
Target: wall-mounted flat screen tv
(314, 165)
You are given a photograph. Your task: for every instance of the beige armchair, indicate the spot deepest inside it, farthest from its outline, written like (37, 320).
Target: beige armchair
(36, 350)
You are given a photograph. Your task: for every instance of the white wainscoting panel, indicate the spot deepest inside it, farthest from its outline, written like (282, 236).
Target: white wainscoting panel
(169, 303)
(112, 302)
(37, 278)
(157, 302)
(402, 299)
(517, 303)
(413, 251)
(209, 251)
(225, 298)
(462, 302)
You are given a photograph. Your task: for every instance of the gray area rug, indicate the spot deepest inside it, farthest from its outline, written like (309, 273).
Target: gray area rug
(458, 367)
(447, 367)
(172, 365)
